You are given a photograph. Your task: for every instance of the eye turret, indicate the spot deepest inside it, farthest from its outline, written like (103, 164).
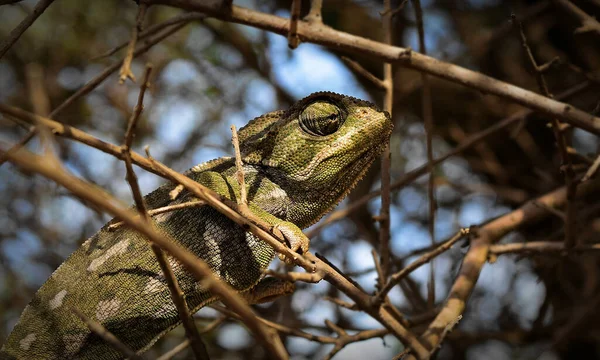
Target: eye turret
(321, 118)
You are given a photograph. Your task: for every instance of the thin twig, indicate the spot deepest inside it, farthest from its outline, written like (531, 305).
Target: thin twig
(24, 140)
(125, 72)
(427, 112)
(364, 72)
(16, 33)
(425, 258)
(162, 210)
(39, 101)
(567, 165)
(384, 212)
(588, 175)
(293, 39)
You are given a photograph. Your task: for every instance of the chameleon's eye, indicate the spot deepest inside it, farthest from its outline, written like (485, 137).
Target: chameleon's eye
(321, 118)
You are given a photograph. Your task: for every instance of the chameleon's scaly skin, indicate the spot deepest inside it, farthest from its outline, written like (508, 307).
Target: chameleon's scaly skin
(298, 165)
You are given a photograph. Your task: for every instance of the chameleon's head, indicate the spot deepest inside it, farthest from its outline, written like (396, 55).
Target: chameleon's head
(325, 140)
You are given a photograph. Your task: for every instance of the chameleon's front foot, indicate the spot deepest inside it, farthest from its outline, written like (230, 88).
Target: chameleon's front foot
(295, 239)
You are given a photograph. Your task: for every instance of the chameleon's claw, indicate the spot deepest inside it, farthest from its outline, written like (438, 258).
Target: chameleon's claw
(297, 241)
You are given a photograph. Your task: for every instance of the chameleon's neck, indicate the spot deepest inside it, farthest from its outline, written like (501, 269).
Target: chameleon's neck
(308, 201)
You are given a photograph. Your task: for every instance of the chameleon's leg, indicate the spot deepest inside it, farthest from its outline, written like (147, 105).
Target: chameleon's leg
(228, 186)
(293, 235)
(267, 290)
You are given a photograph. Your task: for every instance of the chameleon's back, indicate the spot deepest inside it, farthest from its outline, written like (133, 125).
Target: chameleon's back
(298, 164)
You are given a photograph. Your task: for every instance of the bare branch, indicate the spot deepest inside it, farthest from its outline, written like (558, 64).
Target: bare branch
(14, 35)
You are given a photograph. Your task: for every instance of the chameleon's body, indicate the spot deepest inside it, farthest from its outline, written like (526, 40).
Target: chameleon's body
(298, 164)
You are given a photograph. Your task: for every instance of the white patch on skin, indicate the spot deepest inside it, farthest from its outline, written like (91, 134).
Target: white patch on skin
(58, 300)
(26, 342)
(165, 311)
(107, 309)
(117, 249)
(153, 286)
(73, 343)
(175, 265)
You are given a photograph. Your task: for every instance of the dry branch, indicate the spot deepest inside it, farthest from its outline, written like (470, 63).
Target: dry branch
(324, 35)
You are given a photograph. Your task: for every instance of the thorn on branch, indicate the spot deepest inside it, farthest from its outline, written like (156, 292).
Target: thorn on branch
(314, 15)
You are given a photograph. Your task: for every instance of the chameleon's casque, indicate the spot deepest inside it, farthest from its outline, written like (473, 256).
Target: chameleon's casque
(298, 164)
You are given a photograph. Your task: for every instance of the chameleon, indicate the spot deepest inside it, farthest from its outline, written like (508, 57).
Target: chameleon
(298, 165)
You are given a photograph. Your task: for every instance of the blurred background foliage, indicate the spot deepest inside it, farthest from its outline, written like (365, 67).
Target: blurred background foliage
(211, 74)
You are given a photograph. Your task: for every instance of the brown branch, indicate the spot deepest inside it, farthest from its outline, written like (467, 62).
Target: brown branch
(342, 303)
(427, 111)
(198, 268)
(125, 71)
(364, 72)
(106, 335)
(323, 35)
(16, 33)
(384, 212)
